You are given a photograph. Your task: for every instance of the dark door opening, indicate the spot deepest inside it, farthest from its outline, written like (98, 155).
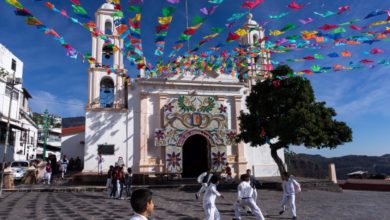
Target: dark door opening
(195, 156)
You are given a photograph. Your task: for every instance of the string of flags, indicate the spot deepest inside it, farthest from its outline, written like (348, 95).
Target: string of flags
(223, 58)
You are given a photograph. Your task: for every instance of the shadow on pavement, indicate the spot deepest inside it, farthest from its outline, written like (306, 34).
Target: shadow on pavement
(276, 217)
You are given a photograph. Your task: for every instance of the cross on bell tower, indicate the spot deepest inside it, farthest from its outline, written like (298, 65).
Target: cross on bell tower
(107, 89)
(257, 58)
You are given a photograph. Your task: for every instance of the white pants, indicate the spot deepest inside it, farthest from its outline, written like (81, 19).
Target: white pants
(118, 188)
(63, 169)
(100, 167)
(202, 189)
(211, 212)
(254, 196)
(108, 186)
(251, 204)
(285, 200)
(48, 177)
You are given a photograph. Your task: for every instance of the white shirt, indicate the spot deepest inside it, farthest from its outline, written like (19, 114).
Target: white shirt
(290, 186)
(211, 194)
(244, 190)
(201, 176)
(137, 216)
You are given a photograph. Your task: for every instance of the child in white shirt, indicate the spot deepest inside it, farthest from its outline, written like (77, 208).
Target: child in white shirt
(209, 198)
(290, 186)
(245, 198)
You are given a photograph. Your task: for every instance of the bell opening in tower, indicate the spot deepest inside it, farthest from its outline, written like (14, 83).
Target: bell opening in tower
(106, 93)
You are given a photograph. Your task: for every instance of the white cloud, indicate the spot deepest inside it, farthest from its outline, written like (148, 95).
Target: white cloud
(356, 94)
(43, 100)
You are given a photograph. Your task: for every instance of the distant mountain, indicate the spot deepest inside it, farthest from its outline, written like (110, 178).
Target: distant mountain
(316, 166)
(73, 122)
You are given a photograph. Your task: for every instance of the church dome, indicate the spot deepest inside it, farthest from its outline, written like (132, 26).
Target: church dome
(108, 5)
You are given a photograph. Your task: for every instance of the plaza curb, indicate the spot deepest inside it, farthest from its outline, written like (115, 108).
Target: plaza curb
(94, 188)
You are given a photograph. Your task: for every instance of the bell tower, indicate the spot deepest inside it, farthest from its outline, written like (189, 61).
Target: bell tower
(106, 85)
(257, 58)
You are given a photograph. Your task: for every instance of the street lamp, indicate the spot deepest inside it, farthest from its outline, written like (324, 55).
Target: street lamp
(45, 132)
(12, 82)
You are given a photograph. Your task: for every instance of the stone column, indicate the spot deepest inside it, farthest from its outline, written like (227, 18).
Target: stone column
(240, 151)
(90, 87)
(162, 101)
(96, 88)
(143, 132)
(332, 173)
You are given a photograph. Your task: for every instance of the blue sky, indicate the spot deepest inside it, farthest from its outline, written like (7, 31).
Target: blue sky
(360, 97)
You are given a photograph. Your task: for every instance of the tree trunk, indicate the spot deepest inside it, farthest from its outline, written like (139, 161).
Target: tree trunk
(278, 161)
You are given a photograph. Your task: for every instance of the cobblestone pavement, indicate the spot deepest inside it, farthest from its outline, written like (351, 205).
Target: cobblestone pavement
(175, 204)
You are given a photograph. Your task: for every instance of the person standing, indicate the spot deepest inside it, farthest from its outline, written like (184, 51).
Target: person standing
(100, 161)
(71, 164)
(128, 182)
(142, 204)
(109, 179)
(290, 186)
(77, 163)
(64, 165)
(114, 182)
(121, 180)
(203, 179)
(209, 198)
(245, 198)
(48, 172)
(228, 171)
(253, 183)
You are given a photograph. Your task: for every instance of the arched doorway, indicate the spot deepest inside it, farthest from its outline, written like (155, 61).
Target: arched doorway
(195, 156)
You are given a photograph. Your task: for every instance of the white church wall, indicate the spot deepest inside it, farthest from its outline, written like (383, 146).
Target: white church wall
(72, 146)
(105, 127)
(261, 162)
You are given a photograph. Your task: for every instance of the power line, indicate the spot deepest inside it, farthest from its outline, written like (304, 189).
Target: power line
(55, 102)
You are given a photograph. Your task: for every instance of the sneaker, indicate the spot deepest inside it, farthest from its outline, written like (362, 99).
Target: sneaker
(236, 219)
(294, 217)
(196, 196)
(281, 212)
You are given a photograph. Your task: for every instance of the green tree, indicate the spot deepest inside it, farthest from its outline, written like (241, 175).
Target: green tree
(287, 109)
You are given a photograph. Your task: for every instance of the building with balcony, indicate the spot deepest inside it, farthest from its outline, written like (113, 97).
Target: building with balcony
(22, 140)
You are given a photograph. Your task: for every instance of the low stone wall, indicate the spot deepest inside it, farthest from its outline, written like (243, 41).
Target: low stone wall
(366, 184)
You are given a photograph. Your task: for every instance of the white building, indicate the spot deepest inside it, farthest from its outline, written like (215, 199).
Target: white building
(23, 131)
(179, 125)
(72, 142)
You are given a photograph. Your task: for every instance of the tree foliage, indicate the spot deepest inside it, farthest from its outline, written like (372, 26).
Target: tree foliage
(287, 109)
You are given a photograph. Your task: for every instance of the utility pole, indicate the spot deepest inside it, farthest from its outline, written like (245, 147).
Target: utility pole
(7, 133)
(45, 132)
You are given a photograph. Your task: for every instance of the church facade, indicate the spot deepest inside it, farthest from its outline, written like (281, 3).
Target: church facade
(180, 125)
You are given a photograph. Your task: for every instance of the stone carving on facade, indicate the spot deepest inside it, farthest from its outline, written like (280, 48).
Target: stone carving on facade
(189, 115)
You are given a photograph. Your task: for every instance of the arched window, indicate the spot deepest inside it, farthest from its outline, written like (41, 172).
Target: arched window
(255, 38)
(108, 27)
(106, 92)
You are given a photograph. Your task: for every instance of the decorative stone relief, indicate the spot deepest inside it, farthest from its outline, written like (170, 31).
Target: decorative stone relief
(189, 115)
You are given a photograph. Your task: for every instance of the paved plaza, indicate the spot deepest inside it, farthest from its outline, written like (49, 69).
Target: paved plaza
(175, 204)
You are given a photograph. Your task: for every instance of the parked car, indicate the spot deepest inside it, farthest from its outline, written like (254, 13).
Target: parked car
(19, 169)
